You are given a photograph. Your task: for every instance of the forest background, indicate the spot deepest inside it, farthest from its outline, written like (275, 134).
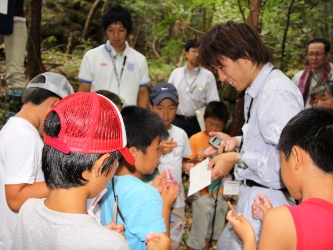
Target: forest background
(61, 31)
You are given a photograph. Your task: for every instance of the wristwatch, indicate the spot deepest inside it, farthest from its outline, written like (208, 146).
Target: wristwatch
(240, 162)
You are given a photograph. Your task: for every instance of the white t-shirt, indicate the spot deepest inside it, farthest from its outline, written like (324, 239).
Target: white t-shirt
(174, 159)
(195, 88)
(20, 162)
(98, 69)
(41, 228)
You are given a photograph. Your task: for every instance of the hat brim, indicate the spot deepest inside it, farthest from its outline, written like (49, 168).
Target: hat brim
(127, 155)
(159, 98)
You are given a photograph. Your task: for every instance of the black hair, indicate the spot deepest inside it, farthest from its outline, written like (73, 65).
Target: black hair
(312, 131)
(193, 43)
(117, 14)
(110, 95)
(142, 127)
(217, 110)
(65, 170)
(326, 43)
(37, 95)
(326, 85)
(235, 41)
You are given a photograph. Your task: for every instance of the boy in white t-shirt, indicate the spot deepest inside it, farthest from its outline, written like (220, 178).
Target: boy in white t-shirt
(21, 146)
(164, 102)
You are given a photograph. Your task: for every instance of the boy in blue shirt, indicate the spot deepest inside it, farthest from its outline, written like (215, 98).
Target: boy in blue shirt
(141, 208)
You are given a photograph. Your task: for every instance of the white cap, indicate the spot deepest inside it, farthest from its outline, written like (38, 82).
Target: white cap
(54, 82)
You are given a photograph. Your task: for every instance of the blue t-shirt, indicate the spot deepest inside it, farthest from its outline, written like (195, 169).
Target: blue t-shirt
(141, 206)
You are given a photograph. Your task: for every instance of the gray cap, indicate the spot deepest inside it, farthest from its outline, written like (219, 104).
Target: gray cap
(54, 82)
(163, 90)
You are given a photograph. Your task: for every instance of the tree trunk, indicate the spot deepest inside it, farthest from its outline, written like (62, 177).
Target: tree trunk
(89, 18)
(238, 115)
(253, 18)
(285, 32)
(34, 59)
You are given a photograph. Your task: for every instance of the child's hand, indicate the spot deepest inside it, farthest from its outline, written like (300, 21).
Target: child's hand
(160, 180)
(260, 206)
(242, 228)
(187, 166)
(158, 241)
(167, 146)
(169, 194)
(119, 228)
(199, 157)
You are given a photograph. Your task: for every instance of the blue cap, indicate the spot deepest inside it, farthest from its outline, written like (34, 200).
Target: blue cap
(163, 90)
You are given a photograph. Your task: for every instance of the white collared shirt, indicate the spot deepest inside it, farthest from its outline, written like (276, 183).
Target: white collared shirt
(97, 69)
(195, 88)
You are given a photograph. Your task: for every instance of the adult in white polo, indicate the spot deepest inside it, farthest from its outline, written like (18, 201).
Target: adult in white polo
(196, 87)
(115, 66)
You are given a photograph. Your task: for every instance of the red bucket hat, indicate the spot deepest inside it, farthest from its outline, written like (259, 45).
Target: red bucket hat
(90, 124)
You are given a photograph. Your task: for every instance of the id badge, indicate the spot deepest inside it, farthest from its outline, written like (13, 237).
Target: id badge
(231, 188)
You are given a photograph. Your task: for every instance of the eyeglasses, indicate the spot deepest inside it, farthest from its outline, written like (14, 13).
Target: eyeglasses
(316, 54)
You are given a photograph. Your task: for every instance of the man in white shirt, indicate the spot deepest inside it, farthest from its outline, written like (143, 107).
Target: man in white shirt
(319, 68)
(196, 87)
(115, 66)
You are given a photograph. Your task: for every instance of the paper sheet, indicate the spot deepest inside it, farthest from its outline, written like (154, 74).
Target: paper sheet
(200, 177)
(3, 6)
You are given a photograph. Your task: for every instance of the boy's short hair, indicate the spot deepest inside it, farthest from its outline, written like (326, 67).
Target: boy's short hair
(162, 91)
(217, 110)
(78, 131)
(111, 96)
(43, 86)
(193, 43)
(321, 87)
(142, 127)
(117, 14)
(311, 130)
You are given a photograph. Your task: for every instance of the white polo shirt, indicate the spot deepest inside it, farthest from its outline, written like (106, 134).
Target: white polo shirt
(98, 69)
(195, 88)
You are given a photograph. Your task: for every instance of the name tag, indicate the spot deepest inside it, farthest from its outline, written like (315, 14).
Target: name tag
(231, 187)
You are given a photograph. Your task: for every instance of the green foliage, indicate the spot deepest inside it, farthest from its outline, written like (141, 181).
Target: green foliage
(161, 28)
(49, 42)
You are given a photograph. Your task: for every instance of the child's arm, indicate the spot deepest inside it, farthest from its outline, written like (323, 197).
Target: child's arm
(169, 195)
(278, 230)
(17, 194)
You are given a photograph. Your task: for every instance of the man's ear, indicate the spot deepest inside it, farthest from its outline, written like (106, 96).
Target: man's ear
(328, 56)
(297, 154)
(98, 165)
